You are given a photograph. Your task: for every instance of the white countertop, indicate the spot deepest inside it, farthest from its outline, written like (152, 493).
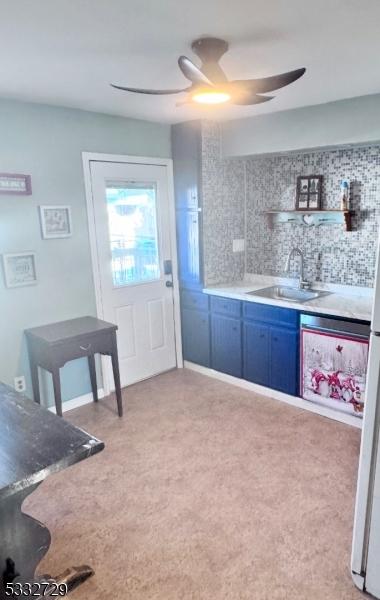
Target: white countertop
(343, 301)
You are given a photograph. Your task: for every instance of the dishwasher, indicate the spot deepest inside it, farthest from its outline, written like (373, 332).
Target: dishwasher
(333, 363)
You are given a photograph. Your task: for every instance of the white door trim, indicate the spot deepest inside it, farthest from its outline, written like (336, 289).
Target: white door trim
(87, 157)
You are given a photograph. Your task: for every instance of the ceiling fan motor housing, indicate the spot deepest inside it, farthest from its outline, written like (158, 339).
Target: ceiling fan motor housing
(210, 50)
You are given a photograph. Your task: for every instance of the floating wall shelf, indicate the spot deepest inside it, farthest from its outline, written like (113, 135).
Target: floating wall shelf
(312, 217)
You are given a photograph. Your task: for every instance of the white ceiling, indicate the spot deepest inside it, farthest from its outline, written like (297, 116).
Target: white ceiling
(66, 52)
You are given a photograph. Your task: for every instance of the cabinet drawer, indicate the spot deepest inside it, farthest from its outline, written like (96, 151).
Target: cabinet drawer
(190, 299)
(225, 306)
(69, 350)
(270, 314)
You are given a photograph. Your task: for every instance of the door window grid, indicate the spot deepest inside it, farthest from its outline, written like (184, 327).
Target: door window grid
(132, 222)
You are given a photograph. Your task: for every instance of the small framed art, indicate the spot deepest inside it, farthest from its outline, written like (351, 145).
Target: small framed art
(55, 222)
(19, 269)
(309, 192)
(15, 184)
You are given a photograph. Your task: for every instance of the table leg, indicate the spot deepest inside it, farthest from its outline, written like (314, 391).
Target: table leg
(35, 382)
(57, 390)
(24, 543)
(116, 375)
(91, 367)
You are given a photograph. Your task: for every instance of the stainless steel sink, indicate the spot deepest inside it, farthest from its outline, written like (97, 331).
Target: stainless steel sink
(290, 294)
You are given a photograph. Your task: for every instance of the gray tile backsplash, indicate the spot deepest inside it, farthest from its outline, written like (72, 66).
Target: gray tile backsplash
(223, 194)
(332, 255)
(237, 191)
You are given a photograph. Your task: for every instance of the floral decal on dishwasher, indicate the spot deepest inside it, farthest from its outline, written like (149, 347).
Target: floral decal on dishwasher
(334, 370)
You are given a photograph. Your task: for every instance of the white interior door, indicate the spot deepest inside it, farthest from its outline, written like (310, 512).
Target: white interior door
(132, 231)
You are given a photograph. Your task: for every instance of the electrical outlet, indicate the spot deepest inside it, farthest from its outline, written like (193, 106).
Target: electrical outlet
(238, 245)
(19, 383)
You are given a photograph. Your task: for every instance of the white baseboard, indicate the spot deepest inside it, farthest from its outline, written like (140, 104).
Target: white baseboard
(79, 401)
(324, 411)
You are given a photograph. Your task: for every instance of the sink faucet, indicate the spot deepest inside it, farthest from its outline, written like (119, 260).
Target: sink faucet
(302, 284)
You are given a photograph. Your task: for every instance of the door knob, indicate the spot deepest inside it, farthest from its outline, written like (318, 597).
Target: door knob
(169, 283)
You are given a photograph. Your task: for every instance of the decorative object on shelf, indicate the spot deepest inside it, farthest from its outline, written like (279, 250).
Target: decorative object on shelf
(55, 221)
(15, 184)
(20, 269)
(309, 192)
(344, 194)
(312, 217)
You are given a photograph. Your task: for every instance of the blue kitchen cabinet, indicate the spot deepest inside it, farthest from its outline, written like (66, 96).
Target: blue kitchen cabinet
(226, 348)
(257, 342)
(186, 141)
(195, 319)
(196, 336)
(256, 366)
(283, 360)
(189, 255)
(271, 342)
(186, 149)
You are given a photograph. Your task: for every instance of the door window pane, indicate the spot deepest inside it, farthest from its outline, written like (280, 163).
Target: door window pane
(132, 220)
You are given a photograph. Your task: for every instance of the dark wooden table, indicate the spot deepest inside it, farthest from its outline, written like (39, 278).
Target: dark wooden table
(51, 346)
(33, 444)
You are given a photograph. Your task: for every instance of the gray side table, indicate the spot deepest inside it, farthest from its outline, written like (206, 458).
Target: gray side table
(51, 346)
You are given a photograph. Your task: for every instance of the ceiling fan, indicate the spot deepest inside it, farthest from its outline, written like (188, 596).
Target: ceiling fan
(209, 84)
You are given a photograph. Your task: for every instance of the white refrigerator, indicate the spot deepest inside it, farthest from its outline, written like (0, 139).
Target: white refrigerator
(365, 561)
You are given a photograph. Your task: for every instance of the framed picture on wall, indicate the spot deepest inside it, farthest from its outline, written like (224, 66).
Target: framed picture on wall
(15, 184)
(309, 192)
(55, 221)
(19, 269)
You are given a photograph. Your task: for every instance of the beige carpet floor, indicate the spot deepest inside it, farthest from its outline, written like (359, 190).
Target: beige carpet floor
(205, 492)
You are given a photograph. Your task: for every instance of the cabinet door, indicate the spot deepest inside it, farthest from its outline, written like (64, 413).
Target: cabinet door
(186, 150)
(188, 247)
(256, 353)
(196, 336)
(226, 345)
(284, 360)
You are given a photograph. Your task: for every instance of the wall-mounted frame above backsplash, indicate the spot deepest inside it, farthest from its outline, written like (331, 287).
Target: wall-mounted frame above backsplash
(309, 192)
(15, 184)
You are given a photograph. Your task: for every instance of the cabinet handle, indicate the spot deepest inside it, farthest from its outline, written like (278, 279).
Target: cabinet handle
(85, 348)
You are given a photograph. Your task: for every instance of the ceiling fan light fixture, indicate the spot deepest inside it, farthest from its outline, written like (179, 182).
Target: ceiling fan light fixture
(210, 85)
(211, 96)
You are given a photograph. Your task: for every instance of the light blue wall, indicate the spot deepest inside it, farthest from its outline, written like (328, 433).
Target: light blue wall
(46, 142)
(352, 121)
